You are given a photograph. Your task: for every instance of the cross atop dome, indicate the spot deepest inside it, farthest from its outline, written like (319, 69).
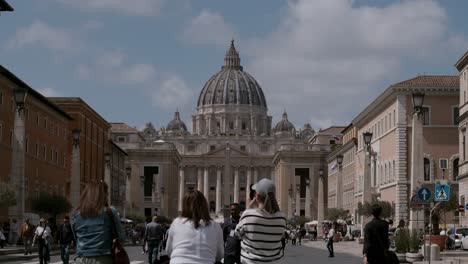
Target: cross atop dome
(232, 59)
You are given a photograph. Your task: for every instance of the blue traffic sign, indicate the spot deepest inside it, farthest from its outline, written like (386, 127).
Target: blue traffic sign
(424, 194)
(466, 207)
(442, 193)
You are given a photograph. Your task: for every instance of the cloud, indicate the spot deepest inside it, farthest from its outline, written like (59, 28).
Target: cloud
(48, 92)
(331, 58)
(113, 67)
(172, 93)
(208, 28)
(42, 34)
(128, 7)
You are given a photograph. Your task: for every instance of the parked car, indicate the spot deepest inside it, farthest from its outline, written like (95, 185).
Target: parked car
(461, 237)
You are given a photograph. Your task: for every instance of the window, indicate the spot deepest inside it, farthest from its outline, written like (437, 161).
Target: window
(242, 148)
(1, 133)
(212, 147)
(426, 113)
(51, 153)
(45, 122)
(231, 125)
(11, 137)
(455, 169)
(394, 117)
(191, 148)
(332, 142)
(37, 150)
(38, 120)
(463, 145)
(27, 145)
(244, 127)
(455, 115)
(56, 157)
(443, 164)
(264, 148)
(427, 169)
(390, 120)
(121, 139)
(1, 97)
(44, 152)
(218, 125)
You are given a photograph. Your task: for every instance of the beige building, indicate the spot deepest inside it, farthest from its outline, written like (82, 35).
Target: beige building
(462, 67)
(390, 120)
(231, 146)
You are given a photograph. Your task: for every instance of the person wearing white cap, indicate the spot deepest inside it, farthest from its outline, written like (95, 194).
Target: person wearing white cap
(262, 226)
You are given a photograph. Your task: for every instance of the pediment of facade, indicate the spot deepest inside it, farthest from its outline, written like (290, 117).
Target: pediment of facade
(223, 151)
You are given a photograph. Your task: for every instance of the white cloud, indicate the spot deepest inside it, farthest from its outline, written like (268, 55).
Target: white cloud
(208, 28)
(42, 34)
(326, 57)
(49, 92)
(129, 7)
(172, 93)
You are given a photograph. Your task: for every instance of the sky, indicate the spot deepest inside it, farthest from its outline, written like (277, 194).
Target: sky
(137, 61)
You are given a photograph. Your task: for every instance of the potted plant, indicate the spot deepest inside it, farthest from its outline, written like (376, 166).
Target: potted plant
(414, 243)
(402, 244)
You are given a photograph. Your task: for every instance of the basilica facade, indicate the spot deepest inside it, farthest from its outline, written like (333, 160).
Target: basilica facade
(232, 144)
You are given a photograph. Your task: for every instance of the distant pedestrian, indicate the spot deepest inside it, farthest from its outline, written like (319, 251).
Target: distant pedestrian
(42, 235)
(232, 247)
(2, 236)
(194, 237)
(65, 238)
(153, 236)
(93, 225)
(330, 240)
(262, 226)
(376, 241)
(6, 231)
(26, 234)
(14, 228)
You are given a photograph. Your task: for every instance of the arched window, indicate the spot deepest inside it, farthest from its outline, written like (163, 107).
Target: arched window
(427, 169)
(455, 169)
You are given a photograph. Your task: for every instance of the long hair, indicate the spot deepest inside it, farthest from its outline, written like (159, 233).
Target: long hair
(195, 208)
(269, 202)
(93, 199)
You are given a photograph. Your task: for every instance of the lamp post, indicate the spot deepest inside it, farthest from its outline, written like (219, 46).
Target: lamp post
(339, 183)
(75, 181)
(18, 159)
(417, 157)
(366, 190)
(307, 197)
(107, 176)
(127, 202)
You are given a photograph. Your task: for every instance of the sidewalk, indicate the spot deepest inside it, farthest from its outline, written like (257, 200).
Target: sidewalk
(16, 253)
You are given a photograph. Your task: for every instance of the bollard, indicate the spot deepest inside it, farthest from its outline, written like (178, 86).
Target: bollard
(435, 252)
(427, 251)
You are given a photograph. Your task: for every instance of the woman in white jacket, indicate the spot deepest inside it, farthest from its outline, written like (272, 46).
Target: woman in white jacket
(194, 238)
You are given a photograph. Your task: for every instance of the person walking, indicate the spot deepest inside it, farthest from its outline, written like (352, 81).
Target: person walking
(65, 238)
(330, 237)
(231, 241)
(2, 236)
(194, 237)
(6, 231)
(376, 241)
(262, 226)
(153, 236)
(26, 234)
(92, 225)
(42, 235)
(14, 228)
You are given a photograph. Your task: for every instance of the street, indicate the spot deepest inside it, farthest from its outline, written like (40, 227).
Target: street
(294, 254)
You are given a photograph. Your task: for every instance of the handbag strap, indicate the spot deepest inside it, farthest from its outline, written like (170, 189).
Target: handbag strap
(114, 228)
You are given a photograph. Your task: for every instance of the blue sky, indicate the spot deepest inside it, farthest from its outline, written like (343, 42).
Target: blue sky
(137, 61)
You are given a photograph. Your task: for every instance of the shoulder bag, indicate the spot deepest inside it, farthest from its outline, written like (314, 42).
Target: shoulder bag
(119, 255)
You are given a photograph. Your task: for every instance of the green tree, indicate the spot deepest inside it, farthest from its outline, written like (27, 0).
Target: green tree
(51, 205)
(7, 195)
(334, 214)
(388, 210)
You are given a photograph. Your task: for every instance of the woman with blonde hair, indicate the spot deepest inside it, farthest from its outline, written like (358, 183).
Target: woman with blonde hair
(94, 225)
(194, 238)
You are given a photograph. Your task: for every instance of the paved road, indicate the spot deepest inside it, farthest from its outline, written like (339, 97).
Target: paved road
(294, 255)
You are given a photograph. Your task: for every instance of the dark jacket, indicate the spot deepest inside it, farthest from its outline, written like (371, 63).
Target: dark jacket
(154, 231)
(65, 234)
(231, 242)
(375, 240)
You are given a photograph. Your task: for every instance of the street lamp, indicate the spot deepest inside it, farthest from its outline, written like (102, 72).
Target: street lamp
(367, 138)
(321, 172)
(76, 137)
(19, 95)
(142, 180)
(418, 101)
(107, 158)
(307, 181)
(339, 159)
(128, 170)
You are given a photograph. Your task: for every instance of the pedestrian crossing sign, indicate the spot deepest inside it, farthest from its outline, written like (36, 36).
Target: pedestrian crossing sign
(442, 193)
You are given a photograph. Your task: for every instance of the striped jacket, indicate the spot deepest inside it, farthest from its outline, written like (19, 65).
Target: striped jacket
(261, 234)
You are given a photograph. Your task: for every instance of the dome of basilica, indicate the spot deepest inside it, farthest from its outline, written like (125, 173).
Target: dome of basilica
(284, 125)
(232, 85)
(177, 125)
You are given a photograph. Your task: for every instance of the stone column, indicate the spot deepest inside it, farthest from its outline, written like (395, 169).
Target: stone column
(128, 196)
(206, 182)
(107, 180)
(209, 126)
(247, 187)
(298, 200)
(255, 175)
(18, 164)
(290, 198)
(417, 169)
(75, 180)
(218, 190)
(236, 184)
(181, 188)
(320, 200)
(307, 199)
(200, 179)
